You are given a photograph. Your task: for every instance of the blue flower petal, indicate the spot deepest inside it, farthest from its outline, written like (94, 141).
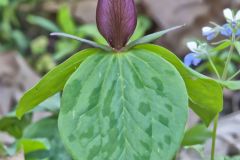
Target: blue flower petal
(226, 30)
(191, 59)
(196, 61)
(211, 36)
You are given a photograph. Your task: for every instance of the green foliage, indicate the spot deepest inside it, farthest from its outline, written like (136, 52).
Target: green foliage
(143, 24)
(42, 22)
(126, 106)
(232, 85)
(14, 126)
(196, 135)
(65, 20)
(51, 83)
(205, 94)
(151, 37)
(4, 2)
(31, 145)
(47, 128)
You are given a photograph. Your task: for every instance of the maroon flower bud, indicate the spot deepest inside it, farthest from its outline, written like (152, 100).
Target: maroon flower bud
(116, 21)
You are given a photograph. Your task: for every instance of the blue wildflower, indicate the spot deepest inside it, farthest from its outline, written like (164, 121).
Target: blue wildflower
(209, 33)
(193, 57)
(226, 30)
(230, 17)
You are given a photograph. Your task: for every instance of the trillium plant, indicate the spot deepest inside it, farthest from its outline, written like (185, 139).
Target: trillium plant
(127, 100)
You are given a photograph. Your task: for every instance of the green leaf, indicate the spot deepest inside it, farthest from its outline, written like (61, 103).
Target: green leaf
(14, 126)
(143, 24)
(222, 46)
(237, 46)
(205, 94)
(47, 128)
(65, 20)
(52, 82)
(20, 39)
(31, 145)
(91, 43)
(196, 135)
(42, 22)
(152, 37)
(90, 30)
(124, 106)
(232, 85)
(4, 3)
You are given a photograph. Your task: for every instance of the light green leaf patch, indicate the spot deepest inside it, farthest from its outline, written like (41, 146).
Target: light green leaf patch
(196, 135)
(205, 94)
(52, 82)
(125, 106)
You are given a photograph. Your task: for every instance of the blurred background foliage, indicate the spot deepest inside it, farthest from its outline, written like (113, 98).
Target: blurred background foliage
(27, 52)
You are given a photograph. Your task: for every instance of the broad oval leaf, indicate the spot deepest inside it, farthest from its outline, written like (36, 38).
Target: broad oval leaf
(205, 94)
(126, 106)
(51, 83)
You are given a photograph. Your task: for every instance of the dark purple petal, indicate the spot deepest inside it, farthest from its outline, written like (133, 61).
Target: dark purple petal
(116, 21)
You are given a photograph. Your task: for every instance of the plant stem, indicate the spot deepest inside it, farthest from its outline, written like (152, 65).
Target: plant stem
(225, 71)
(214, 136)
(213, 66)
(233, 76)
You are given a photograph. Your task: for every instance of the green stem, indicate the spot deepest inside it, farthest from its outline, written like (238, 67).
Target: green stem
(214, 136)
(225, 71)
(213, 66)
(233, 76)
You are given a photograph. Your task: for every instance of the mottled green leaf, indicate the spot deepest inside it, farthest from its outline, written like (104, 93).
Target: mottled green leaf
(124, 106)
(196, 135)
(52, 82)
(205, 94)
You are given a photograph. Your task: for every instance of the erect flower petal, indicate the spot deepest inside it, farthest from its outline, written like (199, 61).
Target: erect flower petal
(228, 14)
(206, 30)
(237, 17)
(192, 46)
(116, 21)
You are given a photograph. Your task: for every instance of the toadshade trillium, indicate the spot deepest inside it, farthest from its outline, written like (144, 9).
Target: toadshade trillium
(126, 100)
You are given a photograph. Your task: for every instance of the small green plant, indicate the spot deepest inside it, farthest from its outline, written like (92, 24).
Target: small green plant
(126, 100)
(216, 57)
